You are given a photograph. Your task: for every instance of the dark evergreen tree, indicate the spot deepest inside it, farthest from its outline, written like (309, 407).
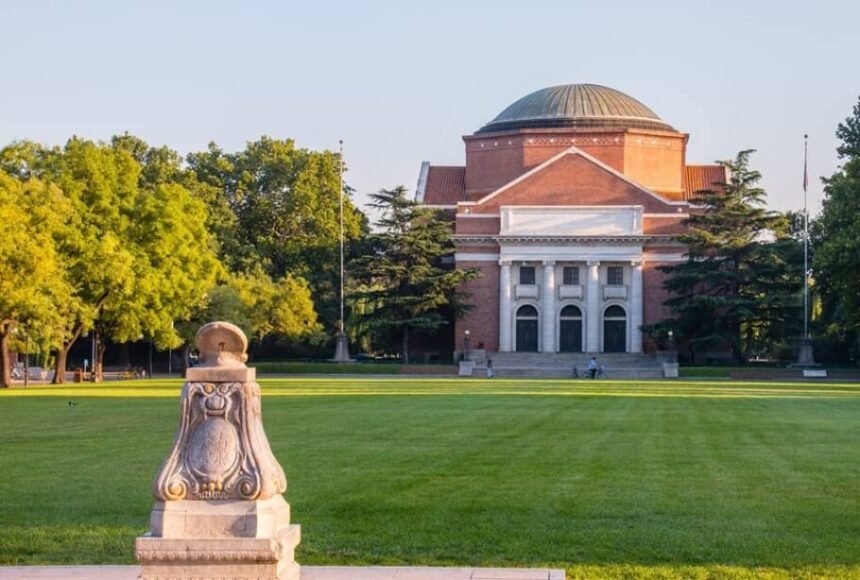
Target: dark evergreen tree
(404, 285)
(739, 288)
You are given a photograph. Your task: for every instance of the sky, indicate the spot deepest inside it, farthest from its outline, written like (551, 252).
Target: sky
(401, 82)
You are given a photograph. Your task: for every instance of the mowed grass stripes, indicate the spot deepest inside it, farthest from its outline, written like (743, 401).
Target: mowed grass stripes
(605, 478)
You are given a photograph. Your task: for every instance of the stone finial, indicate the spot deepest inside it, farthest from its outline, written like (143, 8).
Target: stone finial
(221, 344)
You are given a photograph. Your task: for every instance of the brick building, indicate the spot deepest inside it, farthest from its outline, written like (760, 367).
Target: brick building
(567, 204)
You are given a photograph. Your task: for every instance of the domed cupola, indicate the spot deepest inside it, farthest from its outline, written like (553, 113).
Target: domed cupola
(586, 106)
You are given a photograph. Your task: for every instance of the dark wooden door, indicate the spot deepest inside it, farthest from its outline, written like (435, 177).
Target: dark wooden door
(614, 336)
(527, 335)
(570, 336)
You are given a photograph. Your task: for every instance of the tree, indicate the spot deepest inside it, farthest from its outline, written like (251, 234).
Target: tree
(737, 287)
(277, 206)
(836, 238)
(33, 282)
(257, 305)
(139, 255)
(404, 287)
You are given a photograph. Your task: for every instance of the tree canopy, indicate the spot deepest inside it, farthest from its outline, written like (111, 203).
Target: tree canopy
(740, 285)
(403, 285)
(836, 240)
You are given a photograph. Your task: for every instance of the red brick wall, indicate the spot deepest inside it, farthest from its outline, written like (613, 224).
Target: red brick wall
(656, 160)
(492, 162)
(663, 225)
(483, 320)
(654, 295)
(466, 225)
(574, 180)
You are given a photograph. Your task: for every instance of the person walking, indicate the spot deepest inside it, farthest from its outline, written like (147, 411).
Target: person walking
(592, 367)
(490, 374)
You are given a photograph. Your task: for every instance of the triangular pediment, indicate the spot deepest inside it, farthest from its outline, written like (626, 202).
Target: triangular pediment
(573, 178)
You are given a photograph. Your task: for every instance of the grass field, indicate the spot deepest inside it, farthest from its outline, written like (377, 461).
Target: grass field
(606, 479)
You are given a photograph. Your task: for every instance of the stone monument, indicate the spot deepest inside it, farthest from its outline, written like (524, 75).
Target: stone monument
(219, 512)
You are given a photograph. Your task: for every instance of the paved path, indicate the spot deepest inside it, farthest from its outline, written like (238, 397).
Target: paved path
(308, 573)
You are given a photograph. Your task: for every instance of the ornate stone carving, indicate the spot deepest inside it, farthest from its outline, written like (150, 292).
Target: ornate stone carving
(220, 450)
(219, 510)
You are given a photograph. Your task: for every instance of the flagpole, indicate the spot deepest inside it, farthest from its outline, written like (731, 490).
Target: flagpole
(341, 234)
(805, 240)
(341, 350)
(805, 355)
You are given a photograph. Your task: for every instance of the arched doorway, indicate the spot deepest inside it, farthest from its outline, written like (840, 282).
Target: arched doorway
(527, 329)
(570, 329)
(614, 329)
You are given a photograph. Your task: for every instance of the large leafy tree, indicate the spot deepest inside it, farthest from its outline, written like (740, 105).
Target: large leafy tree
(139, 255)
(739, 286)
(36, 220)
(276, 205)
(404, 286)
(836, 236)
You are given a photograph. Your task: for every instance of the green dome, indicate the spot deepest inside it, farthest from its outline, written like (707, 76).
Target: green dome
(576, 106)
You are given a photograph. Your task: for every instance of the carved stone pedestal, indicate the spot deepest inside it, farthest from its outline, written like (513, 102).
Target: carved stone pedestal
(219, 512)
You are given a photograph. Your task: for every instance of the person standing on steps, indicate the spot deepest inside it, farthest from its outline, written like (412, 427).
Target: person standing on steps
(490, 374)
(592, 367)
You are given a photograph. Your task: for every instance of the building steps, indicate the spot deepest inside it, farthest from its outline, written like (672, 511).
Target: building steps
(560, 365)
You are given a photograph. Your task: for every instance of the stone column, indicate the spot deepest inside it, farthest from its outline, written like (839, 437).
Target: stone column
(547, 304)
(592, 308)
(219, 512)
(636, 306)
(505, 306)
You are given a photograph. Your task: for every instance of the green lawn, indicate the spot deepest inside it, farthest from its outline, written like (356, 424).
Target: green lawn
(606, 479)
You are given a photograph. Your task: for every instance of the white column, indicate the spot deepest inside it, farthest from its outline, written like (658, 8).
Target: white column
(547, 305)
(636, 306)
(505, 306)
(592, 308)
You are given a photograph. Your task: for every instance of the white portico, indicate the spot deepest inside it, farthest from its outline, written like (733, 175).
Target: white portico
(570, 279)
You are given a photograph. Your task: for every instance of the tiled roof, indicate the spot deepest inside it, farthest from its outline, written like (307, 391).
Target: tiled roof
(701, 177)
(445, 185)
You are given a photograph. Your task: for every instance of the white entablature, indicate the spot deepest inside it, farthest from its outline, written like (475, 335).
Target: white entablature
(571, 220)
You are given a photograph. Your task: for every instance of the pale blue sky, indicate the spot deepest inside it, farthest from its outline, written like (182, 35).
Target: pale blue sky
(402, 81)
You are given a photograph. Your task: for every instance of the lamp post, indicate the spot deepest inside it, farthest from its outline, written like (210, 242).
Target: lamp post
(671, 340)
(466, 339)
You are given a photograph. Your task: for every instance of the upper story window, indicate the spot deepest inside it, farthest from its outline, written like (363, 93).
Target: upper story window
(615, 276)
(527, 275)
(570, 276)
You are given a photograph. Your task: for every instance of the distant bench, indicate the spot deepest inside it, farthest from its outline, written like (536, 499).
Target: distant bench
(814, 373)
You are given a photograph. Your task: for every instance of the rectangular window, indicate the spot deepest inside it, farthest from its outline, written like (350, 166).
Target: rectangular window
(615, 276)
(570, 276)
(527, 275)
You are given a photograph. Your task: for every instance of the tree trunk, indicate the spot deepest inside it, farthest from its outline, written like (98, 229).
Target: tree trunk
(404, 347)
(63, 356)
(60, 365)
(5, 367)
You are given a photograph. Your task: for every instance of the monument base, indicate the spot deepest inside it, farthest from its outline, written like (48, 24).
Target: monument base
(236, 540)
(805, 357)
(341, 349)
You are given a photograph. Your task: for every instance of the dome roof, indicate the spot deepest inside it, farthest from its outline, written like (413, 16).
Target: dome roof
(576, 106)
